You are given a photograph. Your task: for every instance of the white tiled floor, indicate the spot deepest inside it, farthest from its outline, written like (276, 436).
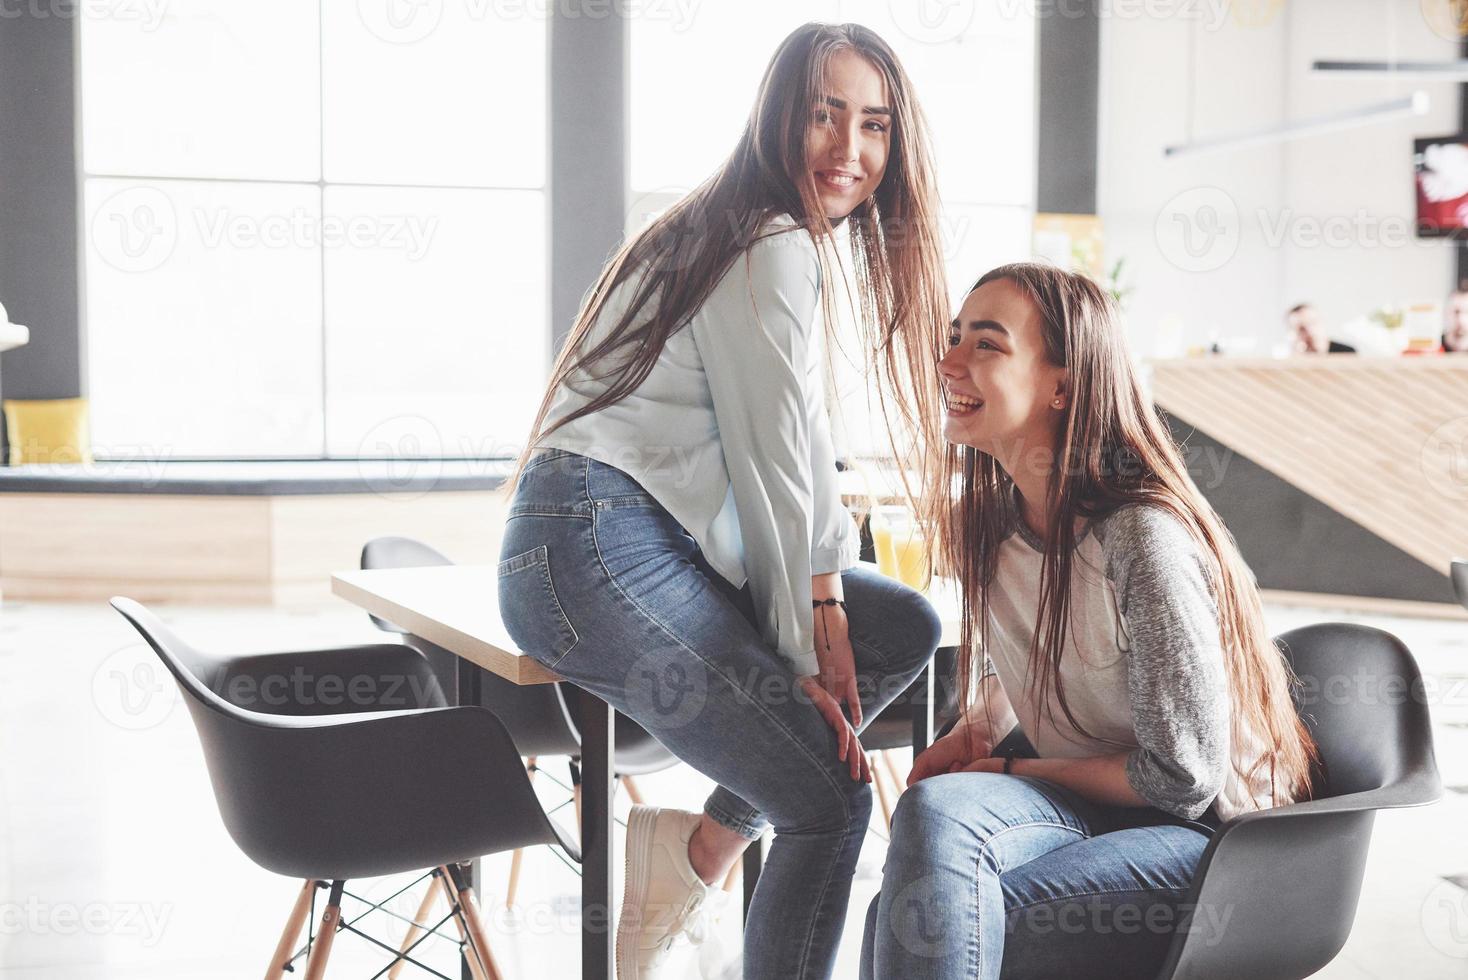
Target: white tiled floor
(114, 864)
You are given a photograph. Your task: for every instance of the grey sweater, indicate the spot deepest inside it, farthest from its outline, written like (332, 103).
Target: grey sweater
(1142, 666)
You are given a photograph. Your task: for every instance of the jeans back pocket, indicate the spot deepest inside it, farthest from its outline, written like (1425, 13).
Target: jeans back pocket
(530, 609)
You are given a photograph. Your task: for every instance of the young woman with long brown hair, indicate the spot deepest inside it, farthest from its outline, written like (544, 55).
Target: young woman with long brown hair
(1124, 696)
(676, 541)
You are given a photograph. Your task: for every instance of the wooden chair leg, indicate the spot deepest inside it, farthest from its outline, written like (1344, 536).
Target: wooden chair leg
(880, 779)
(478, 938)
(419, 926)
(519, 854)
(633, 793)
(897, 780)
(442, 883)
(292, 932)
(326, 935)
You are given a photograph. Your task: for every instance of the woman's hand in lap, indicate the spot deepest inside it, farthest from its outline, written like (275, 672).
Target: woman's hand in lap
(962, 749)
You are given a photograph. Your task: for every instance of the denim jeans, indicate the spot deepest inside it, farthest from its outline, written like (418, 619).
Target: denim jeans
(991, 875)
(600, 584)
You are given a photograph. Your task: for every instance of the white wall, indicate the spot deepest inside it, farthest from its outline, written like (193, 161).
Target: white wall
(1363, 178)
(1219, 245)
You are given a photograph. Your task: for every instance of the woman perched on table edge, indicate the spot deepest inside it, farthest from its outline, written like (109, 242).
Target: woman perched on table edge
(835, 139)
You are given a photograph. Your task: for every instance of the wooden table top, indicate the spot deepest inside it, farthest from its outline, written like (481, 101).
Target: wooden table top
(456, 607)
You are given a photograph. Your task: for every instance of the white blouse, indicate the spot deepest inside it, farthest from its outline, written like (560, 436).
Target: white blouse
(730, 432)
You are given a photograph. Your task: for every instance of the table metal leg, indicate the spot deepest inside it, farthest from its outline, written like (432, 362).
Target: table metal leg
(597, 926)
(754, 860)
(468, 690)
(922, 711)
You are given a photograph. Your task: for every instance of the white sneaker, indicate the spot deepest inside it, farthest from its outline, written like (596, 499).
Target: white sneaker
(664, 899)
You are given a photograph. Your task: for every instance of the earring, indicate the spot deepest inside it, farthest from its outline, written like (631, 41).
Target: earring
(1057, 403)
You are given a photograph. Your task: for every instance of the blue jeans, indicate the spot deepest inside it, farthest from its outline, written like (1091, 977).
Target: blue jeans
(599, 583)
(991, 875)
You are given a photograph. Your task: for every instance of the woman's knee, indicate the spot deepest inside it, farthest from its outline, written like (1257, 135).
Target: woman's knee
(921, 626)
(841, 805)
(933, 808)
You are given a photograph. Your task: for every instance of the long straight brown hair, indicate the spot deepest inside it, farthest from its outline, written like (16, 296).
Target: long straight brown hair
(1114, 450)
(899, 291)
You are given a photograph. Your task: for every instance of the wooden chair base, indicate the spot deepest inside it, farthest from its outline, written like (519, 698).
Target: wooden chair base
(330, 919)
(448, 881)
(292, 933)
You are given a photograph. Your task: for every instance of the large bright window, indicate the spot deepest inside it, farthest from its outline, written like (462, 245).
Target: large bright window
(694, 79)
(314, 228)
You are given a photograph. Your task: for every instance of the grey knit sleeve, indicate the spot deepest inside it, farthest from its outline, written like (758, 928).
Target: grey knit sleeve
(1176, 680)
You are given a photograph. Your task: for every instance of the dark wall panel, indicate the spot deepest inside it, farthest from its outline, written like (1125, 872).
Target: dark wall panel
(38, 206)
(1293, 541)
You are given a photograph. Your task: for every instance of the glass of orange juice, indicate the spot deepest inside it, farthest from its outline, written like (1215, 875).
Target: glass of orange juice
(902, 551)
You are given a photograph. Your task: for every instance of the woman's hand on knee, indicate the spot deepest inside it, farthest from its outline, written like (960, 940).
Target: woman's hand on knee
(848, 747)
(954, 752)
(837, 660)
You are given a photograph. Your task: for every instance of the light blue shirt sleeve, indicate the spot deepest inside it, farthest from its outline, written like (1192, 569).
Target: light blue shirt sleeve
(835, 542)
(754, 335)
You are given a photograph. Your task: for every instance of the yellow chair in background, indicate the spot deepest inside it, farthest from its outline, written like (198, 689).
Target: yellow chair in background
(49, 430)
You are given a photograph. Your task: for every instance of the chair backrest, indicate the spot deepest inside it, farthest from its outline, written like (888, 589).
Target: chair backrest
(1275, 893)
(196, 672)
(318, 797)
(1364, 702)
(392, 551)
(1460, 579)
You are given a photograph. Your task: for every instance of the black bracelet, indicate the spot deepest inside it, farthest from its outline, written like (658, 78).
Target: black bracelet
(1008, 764)
(821, 604)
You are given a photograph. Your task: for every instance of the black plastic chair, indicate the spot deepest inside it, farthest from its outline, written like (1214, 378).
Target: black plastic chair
(341, 763)
(1460, 580)
(541, 718)
(1290, 877)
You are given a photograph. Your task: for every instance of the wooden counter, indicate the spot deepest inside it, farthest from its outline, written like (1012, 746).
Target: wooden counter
(1382, 442)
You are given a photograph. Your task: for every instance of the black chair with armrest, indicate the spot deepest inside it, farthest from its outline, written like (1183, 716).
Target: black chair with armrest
(342, 763)
(1290, 877)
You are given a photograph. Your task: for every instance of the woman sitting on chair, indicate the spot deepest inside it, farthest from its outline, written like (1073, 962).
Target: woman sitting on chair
(1123, 672)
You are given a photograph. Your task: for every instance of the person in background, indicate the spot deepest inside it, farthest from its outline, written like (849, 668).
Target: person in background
(1309, 336)
(1455, 322)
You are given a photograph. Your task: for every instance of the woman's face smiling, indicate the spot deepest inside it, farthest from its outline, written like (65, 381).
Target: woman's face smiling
(999, 387)
(849, 134)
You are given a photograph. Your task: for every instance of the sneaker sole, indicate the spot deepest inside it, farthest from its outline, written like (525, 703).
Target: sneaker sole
(641, 825)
